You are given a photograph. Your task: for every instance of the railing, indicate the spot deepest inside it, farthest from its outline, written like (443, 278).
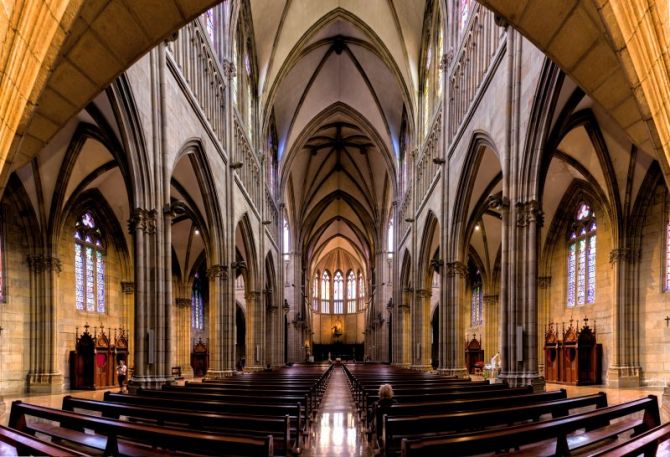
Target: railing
(429, 159)
(272, 215)
(480, 45)
(195, 59)
(249, 171)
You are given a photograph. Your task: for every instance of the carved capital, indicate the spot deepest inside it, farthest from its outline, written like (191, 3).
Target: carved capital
(490, 299)
(229, 70)
(456, 269)
(183, 302)
(143, 220)
(253, 296)
(218, 271)
(40, 263)
(497, 202)
(620, 255)
(423, 293)
(528, 213)
(127, 287)
(447, 57)
(544, 282)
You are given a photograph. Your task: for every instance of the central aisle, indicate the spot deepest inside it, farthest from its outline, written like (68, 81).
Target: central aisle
(337, 431)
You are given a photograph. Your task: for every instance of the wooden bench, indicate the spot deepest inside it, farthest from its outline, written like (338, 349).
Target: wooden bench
(550, 437)
(279, 427)
(646, 443)
(25, 444)
(114, 437)
(396, 428)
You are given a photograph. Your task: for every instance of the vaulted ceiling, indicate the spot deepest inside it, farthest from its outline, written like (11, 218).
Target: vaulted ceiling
(338, 78)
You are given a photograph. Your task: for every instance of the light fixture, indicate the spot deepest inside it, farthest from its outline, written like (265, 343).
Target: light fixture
(196, 231)
(477, 227)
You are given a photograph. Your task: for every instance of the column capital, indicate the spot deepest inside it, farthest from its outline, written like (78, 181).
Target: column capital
(143, 220)
(544, 282)
(183, 302)
(456, 268)
(229, 69)
(446, 59)
(127, 287)
(39, 263)
(620, 255)
(218, 271)
(529, 212)
(490, 299)
(423, 293)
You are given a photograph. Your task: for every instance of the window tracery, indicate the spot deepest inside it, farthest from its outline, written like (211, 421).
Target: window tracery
(476, 311)
(582, 258)
(315, 292)
(197, 308)
(89, 264)
(325, 292)
(338, 293)
(351, 292)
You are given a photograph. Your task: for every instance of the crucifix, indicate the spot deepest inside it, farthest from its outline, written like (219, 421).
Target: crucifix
(667, 321)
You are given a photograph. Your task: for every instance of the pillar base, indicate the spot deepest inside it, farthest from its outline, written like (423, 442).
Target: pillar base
(461, 373)
(187, 373)
(45, 383)
(402, 365)
(148, 382)
(419, 367)
(521, 379)
(213, 375)
(623, 376)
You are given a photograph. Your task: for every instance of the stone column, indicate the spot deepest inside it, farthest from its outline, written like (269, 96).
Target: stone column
(544, 302)
(221, 323)
(183, 341)
(128, 290)
(421, 334)
(624, 370)
(519, 299)
(491, 343)
(43, 376)
(255, 331)
(452, 349)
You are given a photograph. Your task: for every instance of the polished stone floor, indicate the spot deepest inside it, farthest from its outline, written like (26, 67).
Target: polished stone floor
(336, 431)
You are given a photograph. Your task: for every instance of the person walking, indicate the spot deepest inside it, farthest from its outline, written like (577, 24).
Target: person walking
(121, 372)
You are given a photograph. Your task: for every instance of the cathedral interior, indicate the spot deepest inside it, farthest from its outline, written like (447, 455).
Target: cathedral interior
(208, 188)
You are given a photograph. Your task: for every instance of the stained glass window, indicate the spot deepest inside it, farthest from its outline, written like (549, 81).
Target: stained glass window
(476, 302)
(209, 25)
(285, 240)
(361, 292)
(325, 292)
(464, 14)
(667, 258)
(2, 262)
(581, 287)
(338, 293)
(89, 266)
(315, 292)
(197, 308)
(389, 240)
(351, 292)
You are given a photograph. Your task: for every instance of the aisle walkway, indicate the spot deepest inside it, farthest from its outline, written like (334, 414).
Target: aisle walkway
(336, 431)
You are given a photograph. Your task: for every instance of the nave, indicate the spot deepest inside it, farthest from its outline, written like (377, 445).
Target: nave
(343, 415)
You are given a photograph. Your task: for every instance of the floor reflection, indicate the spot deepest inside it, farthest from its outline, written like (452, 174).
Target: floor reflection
(336, 431)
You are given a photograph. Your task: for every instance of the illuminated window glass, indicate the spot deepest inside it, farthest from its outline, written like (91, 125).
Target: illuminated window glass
(351, 292)
(315, 292)
(667, 257)
(197, 308)
(389, 240)
(285, 240)
(476, 302)
(338, 293)
(325, 292)
(464, 14)
(209, 25)
(581, 272)
(361, 292)
(2, 263)
(89, 266)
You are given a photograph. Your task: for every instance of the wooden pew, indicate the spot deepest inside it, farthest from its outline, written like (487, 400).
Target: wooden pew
(396, 428)
(26, 444)
(114, 437)
(443, 407)
(550, 437)
(244, 424)
(646, 443)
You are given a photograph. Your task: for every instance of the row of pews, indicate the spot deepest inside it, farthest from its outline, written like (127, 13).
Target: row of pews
(258, 414)
(432, 415)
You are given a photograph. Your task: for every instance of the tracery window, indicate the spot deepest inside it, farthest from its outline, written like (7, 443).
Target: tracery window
(285, 240)
(197, 307)
(325, 292)
(315, 292)
(582, 257)
(464, 10)
(89, 265)
(476, 302)
(338, 293)
(361, 292)
(667, 257)
(351, 292)
(389, 240)
(3, 294)
(209, 24)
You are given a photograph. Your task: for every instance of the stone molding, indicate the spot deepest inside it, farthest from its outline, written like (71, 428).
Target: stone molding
(620, 255)
(446, 59)
(497, 202)
(229, 69)
(423, 293)
(544, 282)
(40, 263)
(183, 302)
(490, 299)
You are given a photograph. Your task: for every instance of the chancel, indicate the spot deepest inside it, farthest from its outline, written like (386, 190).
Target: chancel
(268, 209)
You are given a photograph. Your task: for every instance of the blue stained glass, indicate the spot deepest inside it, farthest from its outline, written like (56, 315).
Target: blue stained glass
(591, 292)
(90, 280)
(667, 258)
(476, 309)
(100, 267)
(197, 307)
(581, 272)
(79, 277)
(571, 275)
